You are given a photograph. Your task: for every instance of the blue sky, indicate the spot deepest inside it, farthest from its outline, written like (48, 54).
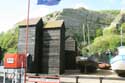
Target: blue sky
(12, 11)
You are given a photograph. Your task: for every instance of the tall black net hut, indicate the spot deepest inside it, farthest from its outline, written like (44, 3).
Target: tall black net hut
(34, 44)
(53, 47)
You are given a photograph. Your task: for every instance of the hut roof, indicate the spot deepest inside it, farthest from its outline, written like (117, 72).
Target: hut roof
(32, 21)
(54, 24)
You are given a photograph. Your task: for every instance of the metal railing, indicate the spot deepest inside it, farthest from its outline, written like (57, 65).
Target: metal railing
(90, 77)
(78, 79)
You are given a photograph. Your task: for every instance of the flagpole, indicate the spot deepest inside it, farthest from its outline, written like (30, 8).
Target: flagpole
(26, 47)
(27, 26)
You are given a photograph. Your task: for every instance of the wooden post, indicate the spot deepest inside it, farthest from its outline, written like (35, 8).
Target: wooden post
(77, 79)
(100, 78)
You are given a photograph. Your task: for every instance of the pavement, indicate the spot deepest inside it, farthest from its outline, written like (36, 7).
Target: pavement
(101, 76)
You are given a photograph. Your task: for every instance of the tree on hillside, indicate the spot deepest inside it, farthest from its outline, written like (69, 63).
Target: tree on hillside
(8, 40)
(102, 43)
(123, 27)
(99, 32)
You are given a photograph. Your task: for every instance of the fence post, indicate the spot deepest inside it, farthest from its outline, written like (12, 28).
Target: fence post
(100, 78)
(77, 79)
(37, 74)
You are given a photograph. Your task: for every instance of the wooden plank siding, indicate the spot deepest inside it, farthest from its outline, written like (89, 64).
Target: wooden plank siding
(70, 44)
(46, 44)
(53, 48)
(34, 43)
(70, 53)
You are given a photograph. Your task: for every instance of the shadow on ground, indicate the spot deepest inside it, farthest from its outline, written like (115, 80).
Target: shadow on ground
(99, 72)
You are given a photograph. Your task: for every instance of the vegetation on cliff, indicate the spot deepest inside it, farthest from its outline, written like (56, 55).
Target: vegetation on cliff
(8, 40)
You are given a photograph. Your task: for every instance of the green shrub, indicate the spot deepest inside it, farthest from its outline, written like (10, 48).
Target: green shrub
(103, 43)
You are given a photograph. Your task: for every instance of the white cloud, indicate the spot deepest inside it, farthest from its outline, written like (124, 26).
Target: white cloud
(112, 1)
(6, 23)
(42, 11)
(4, 28)
(9, 20)
(81, 5)
(123, 4)
(123, 1)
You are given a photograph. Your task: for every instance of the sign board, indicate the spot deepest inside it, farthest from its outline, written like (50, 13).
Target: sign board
(14, 61)
(10, 60)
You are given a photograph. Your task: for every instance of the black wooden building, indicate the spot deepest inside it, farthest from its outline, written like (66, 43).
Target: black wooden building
(34, 43)
(53, 47)
(70, 53)
(50, 52)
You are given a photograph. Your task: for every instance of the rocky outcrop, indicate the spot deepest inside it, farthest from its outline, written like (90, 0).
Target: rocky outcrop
(119, 19)
(75, 19)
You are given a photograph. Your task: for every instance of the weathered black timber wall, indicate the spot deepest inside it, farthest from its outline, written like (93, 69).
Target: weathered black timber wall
(70, 44)
(70, 53)
(53, 49)
(34, 44)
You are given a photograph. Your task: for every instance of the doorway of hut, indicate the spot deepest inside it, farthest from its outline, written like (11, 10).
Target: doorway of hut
(70, 60)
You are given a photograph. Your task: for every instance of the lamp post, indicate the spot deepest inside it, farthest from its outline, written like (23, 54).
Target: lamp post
(121, 32)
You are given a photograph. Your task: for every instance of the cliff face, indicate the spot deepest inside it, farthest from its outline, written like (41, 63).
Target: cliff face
(119, 19)
(75, 19)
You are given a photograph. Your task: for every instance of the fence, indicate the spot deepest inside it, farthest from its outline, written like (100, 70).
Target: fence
(74, 79)
(100, 79)
(43, 79)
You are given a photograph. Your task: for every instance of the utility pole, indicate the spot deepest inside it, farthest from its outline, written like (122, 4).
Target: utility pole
(88, 34)
(121, 36)
(84, 37)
